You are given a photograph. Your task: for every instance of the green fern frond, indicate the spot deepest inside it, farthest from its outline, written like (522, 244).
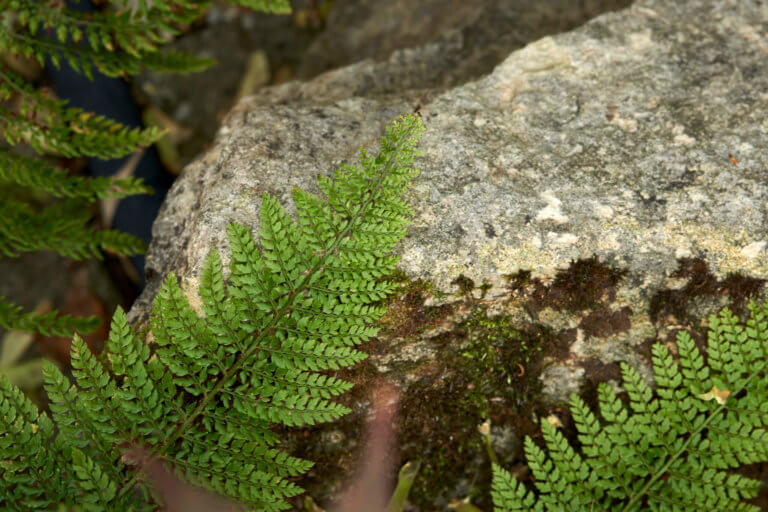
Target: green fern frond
(60, 227)
(176, 62)
(270, 6)
(510, 495)
(662, 449)
(203, 395)
(107, 31)
(30, 475)
(12, 316)
(34, 173)
(144, 9)
(47, 124)
(171, 11)
(116, 43)
(121, 39)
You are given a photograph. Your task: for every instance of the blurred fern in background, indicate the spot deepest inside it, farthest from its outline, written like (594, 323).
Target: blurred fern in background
(36, 128)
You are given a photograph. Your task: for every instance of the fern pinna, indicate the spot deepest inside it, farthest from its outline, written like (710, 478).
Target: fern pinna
(204, 392)
(666, 450)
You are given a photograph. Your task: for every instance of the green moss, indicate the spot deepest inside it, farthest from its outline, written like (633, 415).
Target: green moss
(488, 368)
(495, 348)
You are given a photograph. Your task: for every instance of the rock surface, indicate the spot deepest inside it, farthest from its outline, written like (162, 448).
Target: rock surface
(466, 40)
(598, 191)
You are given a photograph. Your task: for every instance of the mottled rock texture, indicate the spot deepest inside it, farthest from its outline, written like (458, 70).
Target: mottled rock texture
(596, 192)
(466, 40)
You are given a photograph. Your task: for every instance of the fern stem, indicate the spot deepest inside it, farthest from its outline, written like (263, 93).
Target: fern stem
(7, 79)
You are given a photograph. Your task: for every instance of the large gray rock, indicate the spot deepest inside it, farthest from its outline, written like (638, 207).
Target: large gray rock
(466, 40)
(596, 192)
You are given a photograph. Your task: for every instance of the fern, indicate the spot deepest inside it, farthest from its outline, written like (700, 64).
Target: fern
(203, 395)
(273, 6)
(117, 43)
(120, 40)
(666, 449)
(49, 324)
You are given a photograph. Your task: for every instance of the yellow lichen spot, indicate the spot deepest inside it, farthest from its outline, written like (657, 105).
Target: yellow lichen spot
(725, 248)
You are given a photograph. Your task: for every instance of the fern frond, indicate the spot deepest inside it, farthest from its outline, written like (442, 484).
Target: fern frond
(170, 11)
(175, 62)
(115, 42)
(12, 316)
(60, 227)
(669, 449)
(143, 9)
(48, 124)
(270, 6)
(107, 31)
(96, 491)
(203, 396)
(31, 477)
(34, 173)
(510, 495)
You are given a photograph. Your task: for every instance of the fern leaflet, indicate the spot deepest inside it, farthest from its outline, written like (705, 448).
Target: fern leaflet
(666, 449)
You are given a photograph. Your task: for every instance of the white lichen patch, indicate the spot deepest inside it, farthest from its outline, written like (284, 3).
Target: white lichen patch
(627, 125)
(578, 347)
(680, 138)
(560, 381)
(722, 255)
(527, 255)
(412, 257)
(641, 41)
(541, 55)
(683, 252)
(448, 269)
(686, 238)
(609, 242)
(754, 250)
(623, 225)
(551, 212)
(562, 239)
(604, 211)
